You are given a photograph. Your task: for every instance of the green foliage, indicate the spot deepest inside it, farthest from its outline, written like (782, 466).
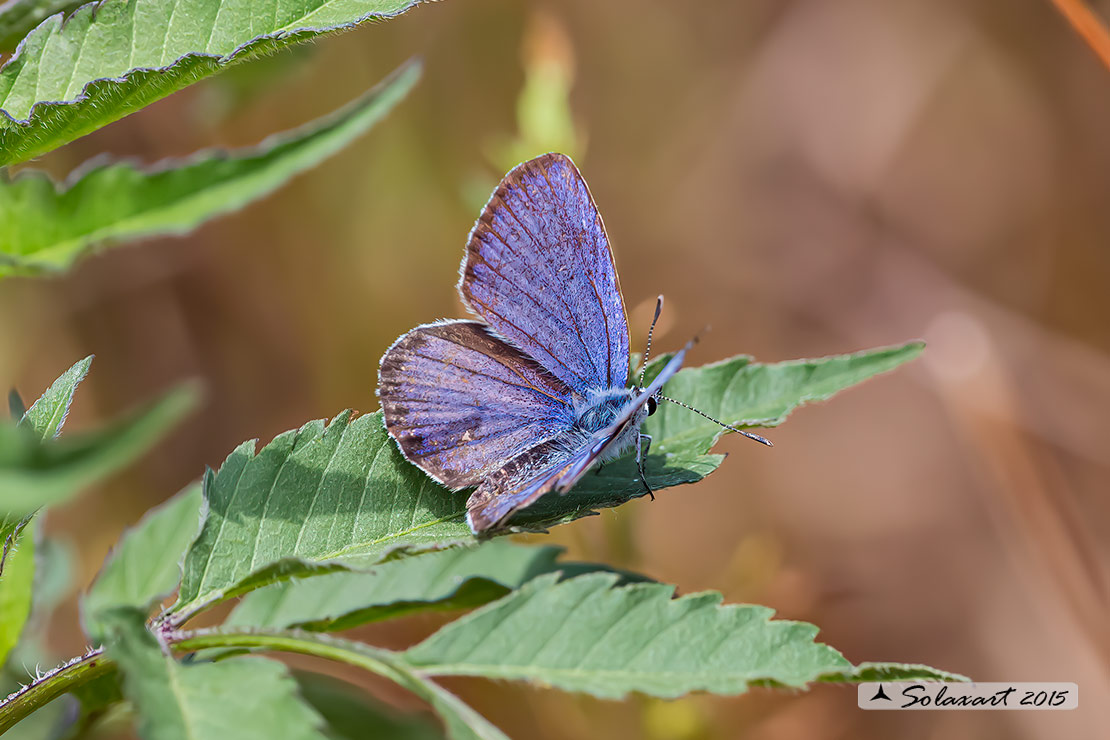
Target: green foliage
(16, 407)
(248, 698)
(352, 715)
(35, 427)
(744, 393)
(10, 527)
(736, 391)
(110, 59)
(17, 572)
(870, 672)
(328, 527)
(34, 474)
(48, 414)
(96, 700)
(544, 117)
(584, 635)
(458, 578)
(340, 494)
(44, 227)
(313, 499)
(55, 563)
(146, 565)
(53, 571)
(36, 470)
(17, 17)
(461, 722)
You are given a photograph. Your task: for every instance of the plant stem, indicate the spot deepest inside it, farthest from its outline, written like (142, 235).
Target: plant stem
(360, 655)
(95, 663)
(1088, 25)
(53, 684)
(459, 718)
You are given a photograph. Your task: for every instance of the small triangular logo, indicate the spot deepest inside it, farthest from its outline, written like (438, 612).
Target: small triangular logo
(880, 694)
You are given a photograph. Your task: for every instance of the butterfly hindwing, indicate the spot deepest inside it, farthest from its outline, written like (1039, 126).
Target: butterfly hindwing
(462, 403)
(538, 269)
(519, 484)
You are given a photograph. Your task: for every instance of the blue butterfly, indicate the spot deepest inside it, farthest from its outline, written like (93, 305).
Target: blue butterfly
(525, 400)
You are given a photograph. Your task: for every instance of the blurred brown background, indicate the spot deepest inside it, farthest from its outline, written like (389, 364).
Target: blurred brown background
(806, 177)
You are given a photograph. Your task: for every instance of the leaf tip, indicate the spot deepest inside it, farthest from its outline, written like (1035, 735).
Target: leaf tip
(15, 405)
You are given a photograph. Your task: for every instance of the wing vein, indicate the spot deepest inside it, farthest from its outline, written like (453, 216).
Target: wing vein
(571, 370)
(589, 276)
(573, 314)
(573, 326)
(581, 257)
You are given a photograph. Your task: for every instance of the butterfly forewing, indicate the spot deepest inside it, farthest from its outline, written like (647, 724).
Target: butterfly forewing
(539, 270)
(462, 403)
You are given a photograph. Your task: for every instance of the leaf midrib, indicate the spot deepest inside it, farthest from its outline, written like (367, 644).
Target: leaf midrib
(178, 691)
(353, 549)
(300, 24)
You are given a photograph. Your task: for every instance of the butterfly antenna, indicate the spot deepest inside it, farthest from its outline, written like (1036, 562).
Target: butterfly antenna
(651, 330)
(749, 435)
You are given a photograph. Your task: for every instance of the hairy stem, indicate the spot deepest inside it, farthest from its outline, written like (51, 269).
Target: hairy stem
(95, 663)
(53, 684)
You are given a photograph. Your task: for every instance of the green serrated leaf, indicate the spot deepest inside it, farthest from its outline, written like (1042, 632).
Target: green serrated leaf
(458, 578)
(45, 228)
(323, 496)
(737, 391)
(329, 496)
(110, 59)
(146, 565)
(584, 635)
(17, 574)
(48, 414)
(17, 17)
(870, 672)
(744, 393)
(352, 714)
(34, 473)
(246, 698)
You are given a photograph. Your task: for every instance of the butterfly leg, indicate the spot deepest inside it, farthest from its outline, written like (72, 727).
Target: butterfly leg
(641, 453)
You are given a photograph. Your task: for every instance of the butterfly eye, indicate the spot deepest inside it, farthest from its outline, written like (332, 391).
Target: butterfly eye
(651, 405)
